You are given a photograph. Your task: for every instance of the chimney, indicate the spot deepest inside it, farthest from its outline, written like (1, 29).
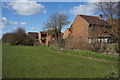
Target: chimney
(100, 16)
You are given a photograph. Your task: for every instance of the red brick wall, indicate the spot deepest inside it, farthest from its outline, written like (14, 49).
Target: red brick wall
(33, 35)
(99, 31)
(80, 28)
(79, 34)
(66, 33)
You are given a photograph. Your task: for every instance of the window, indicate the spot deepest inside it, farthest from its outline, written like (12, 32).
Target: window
(37, 40)
(93, 27)
(53, 35)
(36, 37)
(89, 40)
(99, 40)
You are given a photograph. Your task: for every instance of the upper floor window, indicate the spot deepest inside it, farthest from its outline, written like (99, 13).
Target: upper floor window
(93, 27)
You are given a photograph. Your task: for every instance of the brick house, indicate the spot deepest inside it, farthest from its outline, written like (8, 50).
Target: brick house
(89, 29)
(66, 33)
(43, 38)
(115, 28)
(46, 37)
(34, 35)
(84, 29)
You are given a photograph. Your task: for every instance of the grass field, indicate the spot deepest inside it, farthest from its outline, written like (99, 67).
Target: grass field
(46, 62)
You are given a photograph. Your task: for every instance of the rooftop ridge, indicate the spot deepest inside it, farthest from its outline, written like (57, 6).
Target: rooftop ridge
(94, 20)
(88, 15)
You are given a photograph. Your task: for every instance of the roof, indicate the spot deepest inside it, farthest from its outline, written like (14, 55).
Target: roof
(52, 31)
(94, 20)
(113, 21)
(68, 28)
(43, 32)
(32, 32)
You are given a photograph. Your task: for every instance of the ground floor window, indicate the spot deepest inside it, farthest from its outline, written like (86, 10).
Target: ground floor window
(100, 40)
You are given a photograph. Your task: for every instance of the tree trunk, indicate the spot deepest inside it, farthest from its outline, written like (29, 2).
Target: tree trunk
(119, 28)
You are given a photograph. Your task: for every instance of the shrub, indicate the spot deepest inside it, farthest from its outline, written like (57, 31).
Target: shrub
(29, 40)
(75, 42)
(95, 46)
(18, 37)
(107, 48)
(58, 43)
(6, 37)
(113, 75)
(10, 38)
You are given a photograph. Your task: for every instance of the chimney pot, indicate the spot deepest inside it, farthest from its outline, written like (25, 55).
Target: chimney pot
(100, 16)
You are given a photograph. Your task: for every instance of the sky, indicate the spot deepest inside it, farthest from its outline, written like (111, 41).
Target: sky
(32, 15)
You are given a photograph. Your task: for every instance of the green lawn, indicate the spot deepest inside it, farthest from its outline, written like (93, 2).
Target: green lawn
(46, 62)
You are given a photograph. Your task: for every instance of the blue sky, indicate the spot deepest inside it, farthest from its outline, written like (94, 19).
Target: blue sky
(31, 16)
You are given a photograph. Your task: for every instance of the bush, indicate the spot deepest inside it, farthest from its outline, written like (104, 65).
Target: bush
(6, 37)
(113, 75)
(13, 39)
(29, 40)
(18, 37)
(10, 38)
(76, 42)
(95, 46)
(58, 43)
(108, 48)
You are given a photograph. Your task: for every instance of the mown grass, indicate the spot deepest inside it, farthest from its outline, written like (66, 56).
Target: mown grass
(91, 54)
(46, 62)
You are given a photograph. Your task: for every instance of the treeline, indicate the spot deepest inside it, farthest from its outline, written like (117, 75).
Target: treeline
(18, 37)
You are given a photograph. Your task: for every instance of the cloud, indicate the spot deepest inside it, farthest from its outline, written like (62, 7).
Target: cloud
(34, 28)
(12, 22)
(87, 9)
(23, 23)
(44, 11)
(4, 18)
(4, 22)
(62, 12)
(26, 7)
(15, 28)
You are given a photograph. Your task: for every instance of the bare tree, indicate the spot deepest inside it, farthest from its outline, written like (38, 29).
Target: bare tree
(111, 10)
(56, 22)
(119, 27)
(62, 21)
